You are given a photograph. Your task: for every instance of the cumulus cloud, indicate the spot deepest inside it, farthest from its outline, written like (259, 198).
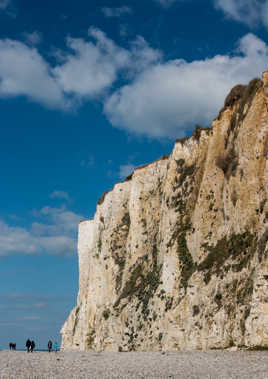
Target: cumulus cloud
(250, 12)
(33, 38)
(59, 195)
(116, 12)
(168, 98)
(91, 68)
(23, 72)
(86, 70)
(55, 233)
(126, 170)
(142, 55)
(157, 98)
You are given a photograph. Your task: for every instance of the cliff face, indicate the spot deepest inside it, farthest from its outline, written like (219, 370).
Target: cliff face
(176, 256)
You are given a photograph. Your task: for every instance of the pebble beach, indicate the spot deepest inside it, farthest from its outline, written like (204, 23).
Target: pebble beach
(182, 364)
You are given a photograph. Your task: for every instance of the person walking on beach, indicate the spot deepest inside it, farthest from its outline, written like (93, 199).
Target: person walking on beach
(49, 346)
(12, 346)
(32, 346)
(56, 347)
(28, 345)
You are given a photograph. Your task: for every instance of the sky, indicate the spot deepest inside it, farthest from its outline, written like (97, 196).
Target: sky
(89, 90)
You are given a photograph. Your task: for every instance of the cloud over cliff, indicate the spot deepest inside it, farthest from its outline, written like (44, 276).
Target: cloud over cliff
(169, 97)
(141, 92)
(53, 231)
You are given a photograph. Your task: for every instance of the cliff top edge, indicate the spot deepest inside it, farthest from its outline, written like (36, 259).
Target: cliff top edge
(242, 93)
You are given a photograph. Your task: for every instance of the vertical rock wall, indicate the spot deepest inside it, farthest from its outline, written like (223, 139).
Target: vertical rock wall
(176, 256)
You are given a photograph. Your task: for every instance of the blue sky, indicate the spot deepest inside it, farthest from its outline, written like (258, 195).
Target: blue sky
(89, 91)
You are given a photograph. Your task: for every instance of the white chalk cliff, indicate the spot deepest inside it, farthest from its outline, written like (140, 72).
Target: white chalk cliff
(176, 256)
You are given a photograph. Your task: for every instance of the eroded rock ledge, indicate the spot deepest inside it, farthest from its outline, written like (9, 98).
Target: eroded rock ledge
(176, 256)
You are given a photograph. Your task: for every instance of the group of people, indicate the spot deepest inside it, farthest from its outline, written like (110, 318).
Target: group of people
(49, 346)
(30, 345)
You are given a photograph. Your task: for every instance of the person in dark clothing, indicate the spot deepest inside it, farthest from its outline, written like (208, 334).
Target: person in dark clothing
(49, 346)
(28, 345)
(32, 346)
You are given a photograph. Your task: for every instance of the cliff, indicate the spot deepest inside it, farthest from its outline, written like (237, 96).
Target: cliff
(176, 256)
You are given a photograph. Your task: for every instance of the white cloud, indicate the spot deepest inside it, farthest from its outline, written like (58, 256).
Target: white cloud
(16, 239)
(116, 12)
(4, 4)
(157, 98)
(33, 38)
(54, 234)
(62, 221)
(23, 72)
(126, 170)
(168, 98)
(91, 68)
(142, 55)
(59, 195)
(250, 12)
(87, 71)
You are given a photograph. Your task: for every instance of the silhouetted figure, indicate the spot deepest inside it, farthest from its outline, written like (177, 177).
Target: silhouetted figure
(12, 346)
(56, 346)
(32, 346)
(28, 345)
(49, 346)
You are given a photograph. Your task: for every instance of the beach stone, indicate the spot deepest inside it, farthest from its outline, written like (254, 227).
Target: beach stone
(191, 365)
